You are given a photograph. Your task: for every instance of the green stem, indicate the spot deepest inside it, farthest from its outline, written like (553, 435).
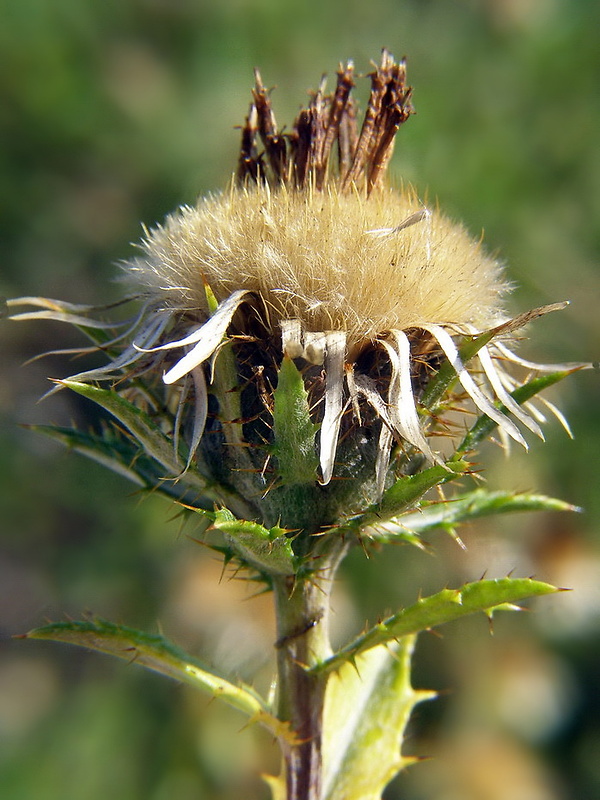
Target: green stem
(302, 609)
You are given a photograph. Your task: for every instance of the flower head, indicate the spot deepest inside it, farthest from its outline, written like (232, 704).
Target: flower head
(310, 254)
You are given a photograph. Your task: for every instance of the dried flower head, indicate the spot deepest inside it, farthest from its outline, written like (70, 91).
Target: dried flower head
(310, 254)
(302, 343)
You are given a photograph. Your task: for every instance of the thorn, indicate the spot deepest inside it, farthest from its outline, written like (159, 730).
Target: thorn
(435, 632)
(224, 567)
(423, 695)
(135, 656)
(454, 535)
(352, 662)
(363, 545)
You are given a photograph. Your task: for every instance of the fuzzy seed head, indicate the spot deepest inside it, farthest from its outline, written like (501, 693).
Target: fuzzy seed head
(333, 260)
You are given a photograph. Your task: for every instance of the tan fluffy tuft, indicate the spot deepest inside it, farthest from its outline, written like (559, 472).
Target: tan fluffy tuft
(333, 260)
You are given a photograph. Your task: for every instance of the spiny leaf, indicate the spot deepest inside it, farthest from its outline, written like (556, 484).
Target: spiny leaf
(156, 653)
(110, 452)
(404, 494)
(225, 386)
(443, 379)
(123, 455)
(156, 444)
(138, 423)
(367, 707)
(409, 488)
(294, 443)
(445, 606)
(266, 550)
(484, 426)
(478, 503)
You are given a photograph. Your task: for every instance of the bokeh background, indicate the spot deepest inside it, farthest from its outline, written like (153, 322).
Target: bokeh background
(115, 112)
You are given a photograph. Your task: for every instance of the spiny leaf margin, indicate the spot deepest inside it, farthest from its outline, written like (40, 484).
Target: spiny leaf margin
(471, 505)
(268, 550)
(488, 596)
(156, 653)
(367, 708)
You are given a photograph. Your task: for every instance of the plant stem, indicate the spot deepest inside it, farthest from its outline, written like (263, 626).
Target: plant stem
(302, 608)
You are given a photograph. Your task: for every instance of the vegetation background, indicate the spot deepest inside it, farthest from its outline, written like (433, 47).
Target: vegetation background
(115, 112)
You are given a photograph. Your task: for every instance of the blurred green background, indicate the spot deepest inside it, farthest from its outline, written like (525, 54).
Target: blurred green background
(115, 112)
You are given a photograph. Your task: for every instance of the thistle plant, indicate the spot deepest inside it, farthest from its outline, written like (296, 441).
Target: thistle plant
(312, 351)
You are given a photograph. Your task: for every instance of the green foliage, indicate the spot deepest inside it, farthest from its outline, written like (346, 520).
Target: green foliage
(144, 430)
(118, 454)
(446, 514)
(403, 495)
(294, 432)
(268, 551)
(446, 376)
(155, 444)
(484, 427)
(487, 596)
(157, 654)
(361, 750)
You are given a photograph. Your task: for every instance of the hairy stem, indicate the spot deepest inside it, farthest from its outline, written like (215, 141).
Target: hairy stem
(302, 606)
